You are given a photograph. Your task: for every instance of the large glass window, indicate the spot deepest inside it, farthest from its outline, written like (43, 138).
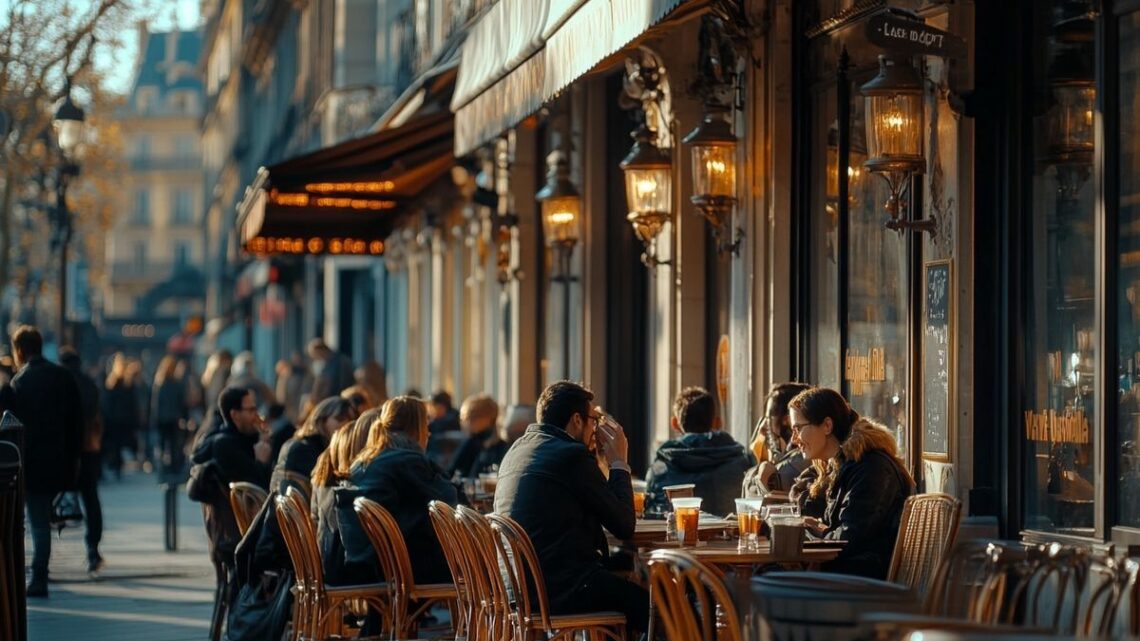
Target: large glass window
(1058, 417)
(876, 358)
(1128, 301)
(823, 341)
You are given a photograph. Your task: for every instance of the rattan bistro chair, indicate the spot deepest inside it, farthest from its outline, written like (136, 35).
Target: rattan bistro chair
(410, 601)
(447, 530)
(492, 618)
(531, 616)
(318, 606)
(246, 500)
(927, 529)
(690, 599)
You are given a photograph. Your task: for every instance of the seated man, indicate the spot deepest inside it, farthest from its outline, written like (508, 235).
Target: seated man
(477, 416)
(551, 484)
(785, 460)
(703, 455)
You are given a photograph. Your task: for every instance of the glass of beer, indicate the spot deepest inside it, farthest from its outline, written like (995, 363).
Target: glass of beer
(748, 518)
(687, 511)
(639, 504)
(489, 481)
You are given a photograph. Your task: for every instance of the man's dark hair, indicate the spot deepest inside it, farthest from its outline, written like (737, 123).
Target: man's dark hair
(782, 393)
(28, 340)
(695, 410)
(441, 397)
(230, 399)
(69, 358)
(561, 400)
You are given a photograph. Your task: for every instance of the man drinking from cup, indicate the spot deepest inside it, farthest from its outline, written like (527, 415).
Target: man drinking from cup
(550, 482)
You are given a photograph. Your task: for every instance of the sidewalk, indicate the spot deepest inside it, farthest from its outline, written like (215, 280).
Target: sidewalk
(143, 592)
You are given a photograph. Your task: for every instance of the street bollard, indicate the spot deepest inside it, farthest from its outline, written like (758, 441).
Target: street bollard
(170, 512)
(13, 607)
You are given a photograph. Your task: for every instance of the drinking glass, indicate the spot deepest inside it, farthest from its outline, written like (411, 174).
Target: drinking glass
(688, 513)
(748, 519)
(639, 504)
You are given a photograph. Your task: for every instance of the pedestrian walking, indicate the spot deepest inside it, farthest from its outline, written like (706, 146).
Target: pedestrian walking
(169, 414)
(45, 398)
(90, 458)
(332, 371)
(120, 414)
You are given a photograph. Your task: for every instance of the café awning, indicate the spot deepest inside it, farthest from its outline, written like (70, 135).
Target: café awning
(522, 53)
(347, 198)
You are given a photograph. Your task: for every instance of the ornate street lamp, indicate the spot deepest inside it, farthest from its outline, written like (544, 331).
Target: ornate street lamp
(713, 152)
(68, 123)
(894, 113)
(561, 208)
(649, 191)
(857, 156)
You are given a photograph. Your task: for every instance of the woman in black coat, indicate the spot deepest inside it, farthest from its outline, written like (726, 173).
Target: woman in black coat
(866, 481)
(394, 471)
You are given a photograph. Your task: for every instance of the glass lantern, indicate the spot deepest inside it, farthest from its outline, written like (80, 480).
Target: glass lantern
(714, 163)
(894, 115)
(68, 122)
(648, 186)
(561, 203)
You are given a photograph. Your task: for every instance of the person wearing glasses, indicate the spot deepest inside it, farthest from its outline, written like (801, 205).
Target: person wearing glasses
(867, 481)
(551, 483)
(237, 446)
(785, 461)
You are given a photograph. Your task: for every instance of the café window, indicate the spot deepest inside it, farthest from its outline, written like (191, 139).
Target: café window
(1128, 281)
(1058, 417)
(858, 296)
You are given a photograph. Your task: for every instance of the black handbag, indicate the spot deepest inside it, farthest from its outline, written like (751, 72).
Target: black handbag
(65, 511)
(262, 609)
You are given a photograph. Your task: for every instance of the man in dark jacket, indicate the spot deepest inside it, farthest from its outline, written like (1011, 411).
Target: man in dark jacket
(332, 371)
(550, 482)
(46, 399)
(704, 456)
(91, 458)
(477, 415)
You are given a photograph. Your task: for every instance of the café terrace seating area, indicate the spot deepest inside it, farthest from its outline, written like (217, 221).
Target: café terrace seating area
(715, 584)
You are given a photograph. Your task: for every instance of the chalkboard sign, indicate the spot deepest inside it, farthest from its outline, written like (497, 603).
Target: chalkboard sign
(937, 360)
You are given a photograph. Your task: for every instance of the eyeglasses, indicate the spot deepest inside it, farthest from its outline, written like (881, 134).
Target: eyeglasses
(796, 427)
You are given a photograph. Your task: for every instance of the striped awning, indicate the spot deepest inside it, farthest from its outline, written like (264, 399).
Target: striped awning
(522, 53)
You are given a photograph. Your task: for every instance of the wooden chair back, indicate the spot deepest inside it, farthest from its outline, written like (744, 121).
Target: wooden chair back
(494, 618)
(396, 564)
(927, 529)
(973, 580)
(520, 559)
(301, 542)
(1125, 623)
(302, 483)
(691, 601)
(447, 530)
(246, 500)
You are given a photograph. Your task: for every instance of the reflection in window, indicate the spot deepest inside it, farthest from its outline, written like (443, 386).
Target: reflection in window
(1058, 418)
(824, 347)
(1129, 282)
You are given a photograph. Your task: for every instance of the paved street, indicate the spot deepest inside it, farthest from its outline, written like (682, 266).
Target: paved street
(143, 592)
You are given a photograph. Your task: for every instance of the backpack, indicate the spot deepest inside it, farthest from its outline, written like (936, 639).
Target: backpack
(204, 484)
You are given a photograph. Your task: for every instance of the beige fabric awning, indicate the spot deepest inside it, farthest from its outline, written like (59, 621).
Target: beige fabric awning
(524, 52)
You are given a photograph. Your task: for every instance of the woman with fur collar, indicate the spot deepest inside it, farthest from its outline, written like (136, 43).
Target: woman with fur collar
(866, 481)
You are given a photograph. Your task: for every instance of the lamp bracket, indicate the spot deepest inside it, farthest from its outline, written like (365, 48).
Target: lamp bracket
(726, 37)
(646, 88)
(900, 225)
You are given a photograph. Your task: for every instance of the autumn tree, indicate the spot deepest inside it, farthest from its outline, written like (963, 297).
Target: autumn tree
(43, 44)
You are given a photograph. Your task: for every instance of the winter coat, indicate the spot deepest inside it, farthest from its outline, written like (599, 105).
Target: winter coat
(865, 500)
(713, 461)
(121, 409)
(789, 466)
(464, 461)
(403, 481)
(46, 399)
(298, 455)
(801, 493)
(169, 402)
(551, 485)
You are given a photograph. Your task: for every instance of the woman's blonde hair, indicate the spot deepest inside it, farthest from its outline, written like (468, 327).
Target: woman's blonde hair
(402, 422)
(166, 369)
(118, 373)
(333, 407)
(346, 443)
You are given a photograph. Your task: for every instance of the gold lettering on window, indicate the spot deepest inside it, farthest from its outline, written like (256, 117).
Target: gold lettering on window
(859, 369)
(1051, 426)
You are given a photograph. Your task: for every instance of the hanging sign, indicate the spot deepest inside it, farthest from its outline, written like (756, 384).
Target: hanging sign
(906, 36)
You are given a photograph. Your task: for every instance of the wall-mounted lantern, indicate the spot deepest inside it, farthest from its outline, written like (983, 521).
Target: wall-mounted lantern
(713, 152)
(561, 209)
(894, 113)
